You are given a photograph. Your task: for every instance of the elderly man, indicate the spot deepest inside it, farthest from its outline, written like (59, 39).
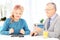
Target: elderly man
(52, 23)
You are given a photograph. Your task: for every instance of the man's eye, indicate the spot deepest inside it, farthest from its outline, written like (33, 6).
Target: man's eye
(20, 13)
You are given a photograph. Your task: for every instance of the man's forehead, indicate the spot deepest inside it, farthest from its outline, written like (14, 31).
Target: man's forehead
(49, 6)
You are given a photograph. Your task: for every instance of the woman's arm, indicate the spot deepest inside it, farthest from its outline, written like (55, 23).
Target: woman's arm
(27, 31)
(5, 30)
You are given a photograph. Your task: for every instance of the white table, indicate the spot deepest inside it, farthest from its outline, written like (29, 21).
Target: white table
(26, 37)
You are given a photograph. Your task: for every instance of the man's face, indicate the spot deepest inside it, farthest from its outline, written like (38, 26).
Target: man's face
(50, 10)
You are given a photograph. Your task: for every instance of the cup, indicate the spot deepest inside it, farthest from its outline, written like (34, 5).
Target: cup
(45, 34)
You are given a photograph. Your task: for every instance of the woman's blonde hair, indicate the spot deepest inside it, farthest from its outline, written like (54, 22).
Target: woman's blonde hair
(15, 8)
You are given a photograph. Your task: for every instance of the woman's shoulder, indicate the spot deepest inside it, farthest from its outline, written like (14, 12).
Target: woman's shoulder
(8, 19)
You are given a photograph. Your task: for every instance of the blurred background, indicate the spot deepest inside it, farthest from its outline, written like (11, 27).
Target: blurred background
(34, 10)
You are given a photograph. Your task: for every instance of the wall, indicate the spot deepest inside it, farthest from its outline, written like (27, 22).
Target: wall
(34, 10)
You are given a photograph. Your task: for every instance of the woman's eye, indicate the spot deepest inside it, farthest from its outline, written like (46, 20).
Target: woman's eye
(16, 13)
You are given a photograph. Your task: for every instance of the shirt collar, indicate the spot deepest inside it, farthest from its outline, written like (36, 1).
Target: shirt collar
(53, 17)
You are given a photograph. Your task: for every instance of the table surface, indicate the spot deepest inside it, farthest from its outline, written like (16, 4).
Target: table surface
(26, 37)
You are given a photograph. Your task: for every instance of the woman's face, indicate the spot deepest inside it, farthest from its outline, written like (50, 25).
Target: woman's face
(17, 14)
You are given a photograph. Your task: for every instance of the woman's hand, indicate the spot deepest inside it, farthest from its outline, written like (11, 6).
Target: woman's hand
(11, 31)
(22, 31)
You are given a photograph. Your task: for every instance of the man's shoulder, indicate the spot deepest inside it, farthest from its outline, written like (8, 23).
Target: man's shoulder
(58, 18)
